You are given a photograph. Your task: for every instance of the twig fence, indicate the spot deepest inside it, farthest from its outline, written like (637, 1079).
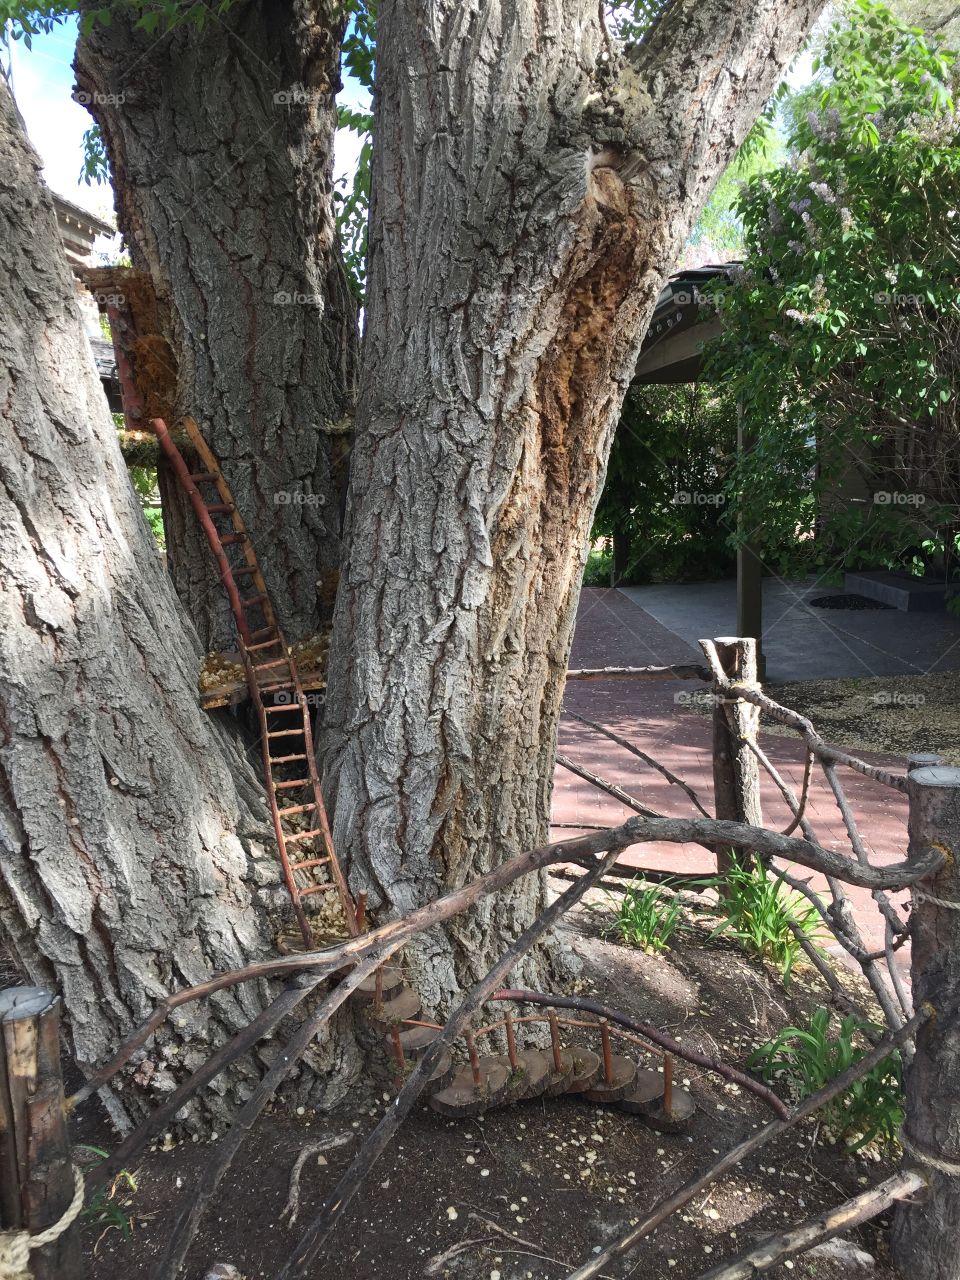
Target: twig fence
(926, 1026)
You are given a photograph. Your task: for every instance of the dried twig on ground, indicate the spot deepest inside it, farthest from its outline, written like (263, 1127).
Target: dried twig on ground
(787, 1244)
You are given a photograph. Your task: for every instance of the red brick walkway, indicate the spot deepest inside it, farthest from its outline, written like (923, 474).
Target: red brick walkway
(612, 631)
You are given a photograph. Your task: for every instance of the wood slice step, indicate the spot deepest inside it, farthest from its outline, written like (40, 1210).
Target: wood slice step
(392, 983)
(529, 1078)
(443, 1072)
(461, 1098)
(586, 1069)
(401, 1007)
(559, 1081)
(413, 1039)
(645, 1096)
(623, 1074)
(681, 1113)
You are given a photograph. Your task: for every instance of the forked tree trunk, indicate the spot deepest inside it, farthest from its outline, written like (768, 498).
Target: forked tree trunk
(133, 834)
(220, 142)
(532, 188)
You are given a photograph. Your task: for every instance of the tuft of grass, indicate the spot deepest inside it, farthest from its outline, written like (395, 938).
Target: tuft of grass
(110, 1208)
(807, 1058)
(763, 915)
(646, 917)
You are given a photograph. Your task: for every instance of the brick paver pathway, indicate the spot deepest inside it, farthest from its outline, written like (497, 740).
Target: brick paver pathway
(612, 631)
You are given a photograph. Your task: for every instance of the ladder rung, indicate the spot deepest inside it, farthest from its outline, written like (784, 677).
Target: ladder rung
(266, 644)
(295, 808)
(302, 835)
(229, 539)
(202, 477)
(308, 862)
(278, 686)
(244, 569)
(261, 598)
(283, 759)
(263, 632)
(275, 662)
(315, 888)
(286, 706)
(283, 733)
(297, 782)
(217, 508)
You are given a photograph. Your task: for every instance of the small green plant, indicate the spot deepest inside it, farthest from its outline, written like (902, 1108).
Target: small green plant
(805, 1059)
(646, 918)
(110, 1208)
(764, 916)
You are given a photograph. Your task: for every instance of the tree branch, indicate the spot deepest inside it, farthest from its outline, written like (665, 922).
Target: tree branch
(787, 1244)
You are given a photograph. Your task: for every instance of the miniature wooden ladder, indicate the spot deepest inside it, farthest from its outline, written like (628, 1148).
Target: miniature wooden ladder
(263, 649)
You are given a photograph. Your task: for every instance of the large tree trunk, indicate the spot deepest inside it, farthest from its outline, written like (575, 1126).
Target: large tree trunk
(532, 188)
(135, 851)
(220, 143)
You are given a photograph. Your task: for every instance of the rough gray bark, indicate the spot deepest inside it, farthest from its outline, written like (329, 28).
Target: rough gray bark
(532, 187)
(220, 143)
(133, 834)
(925, 1232)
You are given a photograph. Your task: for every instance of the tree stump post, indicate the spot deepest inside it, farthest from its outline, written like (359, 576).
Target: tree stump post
(36, 1172)
(736, 770)
(925, 1231)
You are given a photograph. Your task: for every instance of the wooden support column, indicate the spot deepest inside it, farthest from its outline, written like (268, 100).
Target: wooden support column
(925, 1231)
(736, 770)
(749, 567)
(36, 1171)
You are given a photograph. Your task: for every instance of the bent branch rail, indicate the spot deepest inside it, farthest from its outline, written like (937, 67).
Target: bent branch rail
(185, 1227)
(582, 851)
(688, 671)
(124, 1156)
(264, 649)
(730, 1159)
(820, 748)
(652, 1033)
(670, 776)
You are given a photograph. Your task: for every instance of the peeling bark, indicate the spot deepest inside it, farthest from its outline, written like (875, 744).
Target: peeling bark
(135, 848)
(221, 143)
(532, 188)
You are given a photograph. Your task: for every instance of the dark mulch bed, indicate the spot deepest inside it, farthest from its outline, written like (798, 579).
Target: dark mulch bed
(848, 601)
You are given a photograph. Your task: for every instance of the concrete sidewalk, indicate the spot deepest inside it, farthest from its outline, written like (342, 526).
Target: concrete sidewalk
(805, 643)
(613, 631)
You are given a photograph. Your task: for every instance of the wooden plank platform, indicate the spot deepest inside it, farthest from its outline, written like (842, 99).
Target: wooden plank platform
(233, 692)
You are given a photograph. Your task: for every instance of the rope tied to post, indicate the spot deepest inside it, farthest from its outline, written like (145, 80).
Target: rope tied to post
(16, 1246)
(947, 903)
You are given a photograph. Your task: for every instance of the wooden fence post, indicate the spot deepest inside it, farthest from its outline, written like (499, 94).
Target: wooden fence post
(736, 770)
(36, 1173)
(925, 1232)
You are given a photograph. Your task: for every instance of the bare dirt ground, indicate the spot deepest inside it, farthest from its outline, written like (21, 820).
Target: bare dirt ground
(529, 1191)
(900, 714)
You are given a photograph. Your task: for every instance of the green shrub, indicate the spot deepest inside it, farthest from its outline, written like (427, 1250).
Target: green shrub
(646, 917)
(596, 572)
(805, 1059)
(762, 915)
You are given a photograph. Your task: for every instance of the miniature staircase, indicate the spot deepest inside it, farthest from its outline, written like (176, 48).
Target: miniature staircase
(271, 672)
(392, 1008)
